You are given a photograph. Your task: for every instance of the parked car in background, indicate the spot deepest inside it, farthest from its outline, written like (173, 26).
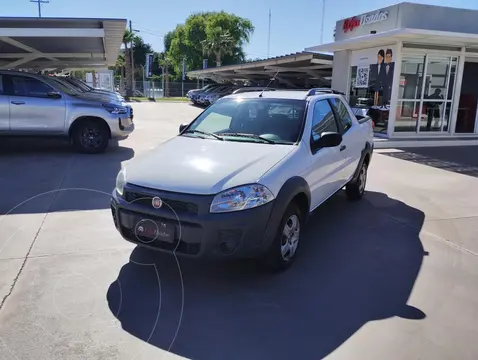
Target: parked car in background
(252, 88)
(216, 95)
(37, 105)
(194, 91)
(201, 99)
(85, 88)
(266, 162)
(91, 93)
(196, 95)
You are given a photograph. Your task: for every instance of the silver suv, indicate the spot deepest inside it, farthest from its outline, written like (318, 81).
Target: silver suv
(36, 105)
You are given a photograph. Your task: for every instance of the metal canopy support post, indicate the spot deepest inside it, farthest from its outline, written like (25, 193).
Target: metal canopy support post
(424, 82)
(392, 115)
(457, 92)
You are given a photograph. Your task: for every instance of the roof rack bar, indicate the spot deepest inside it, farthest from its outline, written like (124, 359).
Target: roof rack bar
(316, 91)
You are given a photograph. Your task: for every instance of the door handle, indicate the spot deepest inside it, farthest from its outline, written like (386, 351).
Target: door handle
(343, 147)
(18, 102)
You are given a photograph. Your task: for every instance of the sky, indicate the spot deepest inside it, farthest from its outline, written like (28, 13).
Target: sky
(295, 24)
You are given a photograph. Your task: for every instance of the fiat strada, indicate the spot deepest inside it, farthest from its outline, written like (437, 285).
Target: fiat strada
(241, 179)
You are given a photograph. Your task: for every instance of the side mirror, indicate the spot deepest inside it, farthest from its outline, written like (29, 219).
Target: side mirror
(327, 139)
(182, 127)
(54, 95)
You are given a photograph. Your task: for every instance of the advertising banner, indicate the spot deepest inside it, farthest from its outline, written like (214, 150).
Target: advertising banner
(373, 69)
(149, 65)
(184, 69)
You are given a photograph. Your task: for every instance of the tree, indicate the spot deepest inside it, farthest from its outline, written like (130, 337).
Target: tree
(120, 66)
(218, 42)
(128, 38)
(140, 50)
(165, 62)
(187, 39)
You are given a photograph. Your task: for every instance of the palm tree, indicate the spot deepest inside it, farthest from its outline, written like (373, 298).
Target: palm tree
(128, 38)
(165, 62)
(120, 64)
(218, 43)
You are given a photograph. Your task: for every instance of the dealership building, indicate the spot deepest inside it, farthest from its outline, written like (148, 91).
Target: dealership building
(413, 68)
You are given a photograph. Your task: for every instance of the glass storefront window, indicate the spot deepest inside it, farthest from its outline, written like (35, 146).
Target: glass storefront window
(411, 77)
(437, 117)
(407, 116)
(426, 83)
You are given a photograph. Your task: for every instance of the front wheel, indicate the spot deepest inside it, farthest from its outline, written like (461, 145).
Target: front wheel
(284, 248)
(356, 189)
(90, 137)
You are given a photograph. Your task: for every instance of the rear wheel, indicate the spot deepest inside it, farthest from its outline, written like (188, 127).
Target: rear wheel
(284, 248)
(90, 137)
(356, 189)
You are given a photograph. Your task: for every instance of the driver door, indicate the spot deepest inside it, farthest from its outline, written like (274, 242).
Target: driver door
(32, 110)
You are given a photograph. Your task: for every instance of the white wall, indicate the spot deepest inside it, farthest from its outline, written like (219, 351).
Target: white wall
(341, 71)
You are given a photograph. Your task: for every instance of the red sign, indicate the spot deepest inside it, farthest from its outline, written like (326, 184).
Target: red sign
(351, 23)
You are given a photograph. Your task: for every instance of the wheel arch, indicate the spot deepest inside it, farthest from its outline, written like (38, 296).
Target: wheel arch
(295, 189)
(365, 158)
(78, 121)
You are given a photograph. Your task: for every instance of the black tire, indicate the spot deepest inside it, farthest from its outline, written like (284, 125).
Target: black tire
(356, 189)
(274, 259)
(90, 136)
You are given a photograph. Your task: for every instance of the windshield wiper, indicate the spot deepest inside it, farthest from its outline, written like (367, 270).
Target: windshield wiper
(251, 136)
(192, 131)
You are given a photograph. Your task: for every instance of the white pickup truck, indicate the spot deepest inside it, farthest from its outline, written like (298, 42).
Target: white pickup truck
(241, 179)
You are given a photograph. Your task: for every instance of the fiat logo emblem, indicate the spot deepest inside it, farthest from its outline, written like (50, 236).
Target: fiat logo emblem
(157, 202)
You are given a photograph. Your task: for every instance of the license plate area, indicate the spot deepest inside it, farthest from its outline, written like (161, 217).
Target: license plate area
(155, 230)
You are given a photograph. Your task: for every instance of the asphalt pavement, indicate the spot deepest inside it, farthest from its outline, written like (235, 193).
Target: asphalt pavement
(394, 276)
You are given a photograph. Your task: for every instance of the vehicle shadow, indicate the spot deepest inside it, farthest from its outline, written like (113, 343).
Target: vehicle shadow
(459, 159)
(38, 176)
(357, 263)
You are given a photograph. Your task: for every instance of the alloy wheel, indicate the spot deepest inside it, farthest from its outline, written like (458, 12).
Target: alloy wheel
(290, 237)
(91, 138)
(362, 179)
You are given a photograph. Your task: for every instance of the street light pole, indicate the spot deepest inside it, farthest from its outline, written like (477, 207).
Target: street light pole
(132, 56)
(322, 23)
(40, 2)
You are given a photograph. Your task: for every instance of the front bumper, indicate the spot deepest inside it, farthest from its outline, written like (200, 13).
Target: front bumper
(121, 126)
(186, 227)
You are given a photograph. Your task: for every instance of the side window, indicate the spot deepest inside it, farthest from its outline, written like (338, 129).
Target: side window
(1, 85)
(323, 119)
(27, 86)
(342, 113)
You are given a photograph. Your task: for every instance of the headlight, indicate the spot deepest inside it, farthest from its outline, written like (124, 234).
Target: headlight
(241, 198)
(115, 109)
(121, 181)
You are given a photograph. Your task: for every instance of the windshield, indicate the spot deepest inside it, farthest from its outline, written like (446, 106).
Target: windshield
(214, 89)
(252, 120)
(79, 84)
(65, 83)
(61, 86)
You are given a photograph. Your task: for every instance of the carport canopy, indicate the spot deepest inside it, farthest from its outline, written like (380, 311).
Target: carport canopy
(59, 43)
(294, 70)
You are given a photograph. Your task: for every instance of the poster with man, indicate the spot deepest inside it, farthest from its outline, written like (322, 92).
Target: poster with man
(381, 77)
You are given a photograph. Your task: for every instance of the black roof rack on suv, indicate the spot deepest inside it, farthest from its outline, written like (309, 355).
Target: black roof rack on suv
(316, 91)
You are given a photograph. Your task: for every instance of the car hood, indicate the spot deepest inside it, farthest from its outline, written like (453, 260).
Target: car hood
(202, 166)
(104, 98)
